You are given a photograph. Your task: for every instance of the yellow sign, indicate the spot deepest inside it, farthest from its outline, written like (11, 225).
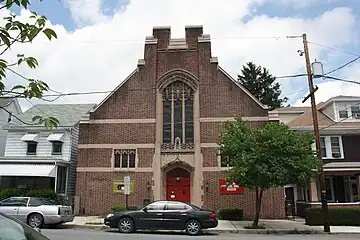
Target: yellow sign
(119, 186)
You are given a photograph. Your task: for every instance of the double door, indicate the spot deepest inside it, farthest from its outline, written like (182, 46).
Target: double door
(178, 189)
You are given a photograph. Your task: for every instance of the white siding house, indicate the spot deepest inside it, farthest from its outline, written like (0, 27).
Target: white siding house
(38, 158)
(8, 109)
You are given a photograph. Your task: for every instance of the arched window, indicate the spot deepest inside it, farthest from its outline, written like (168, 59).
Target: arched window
(178, 113)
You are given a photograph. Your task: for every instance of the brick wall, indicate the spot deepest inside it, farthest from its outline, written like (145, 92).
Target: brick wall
(145, 156)
(117, 133)
(94, 157)
(272, 203)
(97, 197)
(132, 101)
(209, 157)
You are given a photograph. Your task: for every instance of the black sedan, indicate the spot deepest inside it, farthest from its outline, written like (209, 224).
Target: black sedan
(163, 215)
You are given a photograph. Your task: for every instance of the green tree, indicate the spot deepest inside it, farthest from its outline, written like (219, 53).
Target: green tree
(263, 158)
(12, 32)
(262, 85)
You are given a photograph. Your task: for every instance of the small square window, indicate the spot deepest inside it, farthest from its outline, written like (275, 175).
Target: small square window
(31, 148)
(355, 111)
(343, 114)
(57, 147)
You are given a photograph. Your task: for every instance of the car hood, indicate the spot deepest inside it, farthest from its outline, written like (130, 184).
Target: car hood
(125, 212)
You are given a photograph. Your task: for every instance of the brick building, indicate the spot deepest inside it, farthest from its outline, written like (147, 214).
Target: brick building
(161, 127)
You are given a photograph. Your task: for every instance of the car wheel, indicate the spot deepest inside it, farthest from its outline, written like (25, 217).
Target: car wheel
(126, 225)
(193, 227)
(35, 220)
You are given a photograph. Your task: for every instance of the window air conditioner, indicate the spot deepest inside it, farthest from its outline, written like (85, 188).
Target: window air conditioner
(336, 155)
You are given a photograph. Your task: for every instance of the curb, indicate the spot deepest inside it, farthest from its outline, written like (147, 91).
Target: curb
(266, 231)
(241, 231)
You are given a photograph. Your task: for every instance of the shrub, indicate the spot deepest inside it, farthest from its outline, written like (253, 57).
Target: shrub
(119, 208)
(43, 193)
(337, 216)
(231, 214)
(17, 192)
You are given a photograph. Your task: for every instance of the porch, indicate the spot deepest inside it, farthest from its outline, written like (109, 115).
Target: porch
(34, 176)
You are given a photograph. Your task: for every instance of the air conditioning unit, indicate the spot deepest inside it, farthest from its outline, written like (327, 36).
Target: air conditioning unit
(336, 155)
(357, 115)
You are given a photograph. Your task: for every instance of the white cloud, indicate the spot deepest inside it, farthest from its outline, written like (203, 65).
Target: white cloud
(86, 11)
(99, 56)
(304, 3)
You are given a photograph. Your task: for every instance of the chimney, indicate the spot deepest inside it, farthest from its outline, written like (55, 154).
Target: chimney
(192, 33)
(162, 34)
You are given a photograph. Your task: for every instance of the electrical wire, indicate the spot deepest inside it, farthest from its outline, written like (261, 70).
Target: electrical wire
(334, 49)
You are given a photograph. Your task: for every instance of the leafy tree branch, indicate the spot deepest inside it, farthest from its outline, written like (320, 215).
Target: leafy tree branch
(13, 32)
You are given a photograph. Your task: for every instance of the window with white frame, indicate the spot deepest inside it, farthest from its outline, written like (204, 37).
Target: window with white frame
(331, 147)
(349, 110)
(124, 158)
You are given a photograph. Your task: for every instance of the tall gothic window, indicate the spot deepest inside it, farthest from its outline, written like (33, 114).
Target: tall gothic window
(178, 114)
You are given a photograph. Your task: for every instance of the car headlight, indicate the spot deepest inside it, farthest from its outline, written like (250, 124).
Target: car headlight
(109, 215)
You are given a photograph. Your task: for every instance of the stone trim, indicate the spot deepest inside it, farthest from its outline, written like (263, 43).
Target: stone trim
(117, 146)
(112, 121)
(215, 169)
(224, 119)
(209, 145)
(109, 169)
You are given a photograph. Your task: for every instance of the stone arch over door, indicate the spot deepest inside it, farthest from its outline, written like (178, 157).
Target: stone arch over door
(178, 177)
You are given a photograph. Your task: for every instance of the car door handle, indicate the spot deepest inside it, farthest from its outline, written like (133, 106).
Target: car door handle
(159, 214)
(183, 214)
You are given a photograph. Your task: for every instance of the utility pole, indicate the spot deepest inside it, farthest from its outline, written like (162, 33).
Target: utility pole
(317, 135)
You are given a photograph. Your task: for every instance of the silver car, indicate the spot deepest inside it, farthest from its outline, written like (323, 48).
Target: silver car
(35, 211)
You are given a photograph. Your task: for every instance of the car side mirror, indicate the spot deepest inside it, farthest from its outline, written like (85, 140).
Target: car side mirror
(145, 209)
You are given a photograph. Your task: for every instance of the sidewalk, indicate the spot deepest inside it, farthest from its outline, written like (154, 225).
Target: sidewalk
(271, 226)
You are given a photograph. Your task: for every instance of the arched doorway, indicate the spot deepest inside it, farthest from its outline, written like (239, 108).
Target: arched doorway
(178, 185)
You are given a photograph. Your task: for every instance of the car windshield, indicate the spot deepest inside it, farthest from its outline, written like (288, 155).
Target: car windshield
(12, 229)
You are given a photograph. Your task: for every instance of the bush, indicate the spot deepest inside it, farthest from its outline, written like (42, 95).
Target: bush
(337, 216)
(235, 214)
(119, 208)
(17, 192)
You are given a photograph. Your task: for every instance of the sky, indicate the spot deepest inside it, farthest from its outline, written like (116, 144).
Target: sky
(100, 41)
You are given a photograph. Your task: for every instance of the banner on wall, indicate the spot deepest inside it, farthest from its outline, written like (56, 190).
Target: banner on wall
(230, 187)
(119, 186)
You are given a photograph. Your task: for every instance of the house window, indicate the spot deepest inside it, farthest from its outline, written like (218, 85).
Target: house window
(343, 114)
(331, 147)
(124, 158)
(335, 147)
(355, 111)
(323, 147)
(56, 148)
(31, 148)
(178, 113)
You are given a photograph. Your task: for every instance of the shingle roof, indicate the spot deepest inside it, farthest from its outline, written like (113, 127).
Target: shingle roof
(306, 120)
(67, 114)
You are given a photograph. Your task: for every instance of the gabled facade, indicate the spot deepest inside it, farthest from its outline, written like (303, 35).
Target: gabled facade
(40, 158)
(161, 127)
(339, 124)
(9, 109)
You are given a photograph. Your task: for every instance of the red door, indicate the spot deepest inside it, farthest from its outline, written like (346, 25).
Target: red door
(178, 185)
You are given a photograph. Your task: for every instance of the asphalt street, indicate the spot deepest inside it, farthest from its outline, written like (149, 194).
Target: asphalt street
(84, 234)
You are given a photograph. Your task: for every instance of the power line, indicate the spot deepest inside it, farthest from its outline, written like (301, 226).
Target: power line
(342, 80)
(344, 65)
(334, 49)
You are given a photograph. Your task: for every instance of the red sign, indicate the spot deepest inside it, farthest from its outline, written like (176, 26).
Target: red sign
(230, 187)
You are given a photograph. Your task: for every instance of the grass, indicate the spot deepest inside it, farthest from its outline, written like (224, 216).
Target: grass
(94, 223)
(252, 227)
